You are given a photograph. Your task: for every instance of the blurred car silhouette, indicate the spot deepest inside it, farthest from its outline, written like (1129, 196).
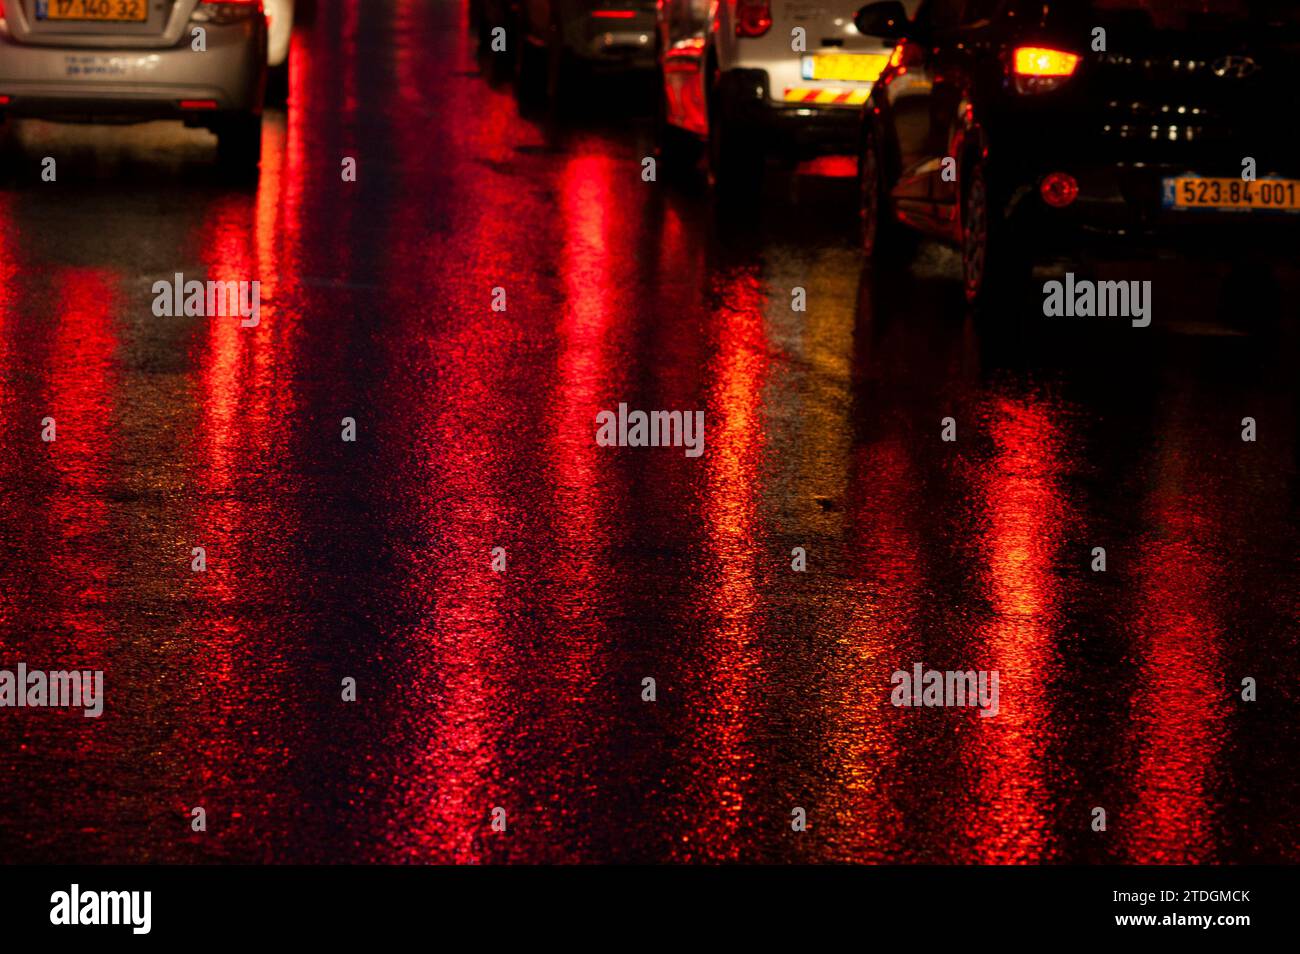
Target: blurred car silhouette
(1018, 128)
(733, 75)
(135, 60)
(561, 45)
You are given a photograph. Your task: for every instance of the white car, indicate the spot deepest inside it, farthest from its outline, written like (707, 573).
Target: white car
(132, 61)
(279, 21)
(752, 78)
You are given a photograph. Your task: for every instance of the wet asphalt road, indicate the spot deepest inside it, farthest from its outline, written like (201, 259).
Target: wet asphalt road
(523, 689)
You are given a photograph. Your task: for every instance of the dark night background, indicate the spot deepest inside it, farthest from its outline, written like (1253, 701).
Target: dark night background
(475, 430)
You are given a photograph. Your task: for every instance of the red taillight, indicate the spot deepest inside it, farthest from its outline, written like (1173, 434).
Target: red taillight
(753, 17)
(613, 14)
(1059, 189)
(4, 100)
(1040, 61)
(198, 104)
(1041, 69)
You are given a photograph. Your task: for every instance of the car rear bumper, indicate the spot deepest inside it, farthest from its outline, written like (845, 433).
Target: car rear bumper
(622, 42)
(796, 129)
(1122, 204)
(96, 84)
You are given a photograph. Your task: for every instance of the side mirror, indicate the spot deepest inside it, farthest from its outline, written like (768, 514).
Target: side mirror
(886, 20)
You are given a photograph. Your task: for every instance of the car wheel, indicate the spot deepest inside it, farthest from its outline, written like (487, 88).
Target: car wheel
(530, 69)
(991, 260)
(277, 84)
(483, 34)
(678, 149)
(881, 234)
(239, 143)
(736, 159)
(563, 71)
(500, 63)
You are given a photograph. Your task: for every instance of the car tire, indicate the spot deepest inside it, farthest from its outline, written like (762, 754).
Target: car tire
(677, 149)
(277, 84)
(563, 72)
(500, 63)
(736, 159)
(483, 35)
(239, 143)
(530, 70)
(993, 261)
(881, 234)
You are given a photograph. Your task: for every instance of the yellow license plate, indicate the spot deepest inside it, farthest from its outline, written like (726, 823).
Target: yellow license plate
(851, 67)
(1282, 195)
(129, 11)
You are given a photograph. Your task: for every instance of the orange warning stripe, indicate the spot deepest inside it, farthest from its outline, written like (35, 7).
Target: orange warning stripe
(827, 97)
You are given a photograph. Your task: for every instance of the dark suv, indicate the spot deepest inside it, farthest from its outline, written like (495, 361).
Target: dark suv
(1015, 128)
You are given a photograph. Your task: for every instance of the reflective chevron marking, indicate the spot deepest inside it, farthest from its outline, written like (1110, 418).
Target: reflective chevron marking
(827, 97)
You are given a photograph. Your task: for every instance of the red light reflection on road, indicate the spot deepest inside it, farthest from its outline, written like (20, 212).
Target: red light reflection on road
(730, 659)
(885, 603)
(1024, 512)
(1178, 709)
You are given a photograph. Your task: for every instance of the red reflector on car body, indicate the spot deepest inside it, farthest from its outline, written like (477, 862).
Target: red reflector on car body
(1059, 189)
(753, 17)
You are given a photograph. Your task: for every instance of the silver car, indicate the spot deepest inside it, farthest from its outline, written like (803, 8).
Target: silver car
(752, 78)
(204, 63)
(560, 45)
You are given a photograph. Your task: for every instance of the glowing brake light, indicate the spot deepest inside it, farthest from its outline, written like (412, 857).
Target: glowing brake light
(613, 14)
(1041, 69)
(1040, 61)
(753, 17)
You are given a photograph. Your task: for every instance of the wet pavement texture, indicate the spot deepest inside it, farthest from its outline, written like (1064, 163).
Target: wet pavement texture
(475, 429)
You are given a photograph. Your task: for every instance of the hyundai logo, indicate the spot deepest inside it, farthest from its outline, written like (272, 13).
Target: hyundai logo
(1234, 67)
